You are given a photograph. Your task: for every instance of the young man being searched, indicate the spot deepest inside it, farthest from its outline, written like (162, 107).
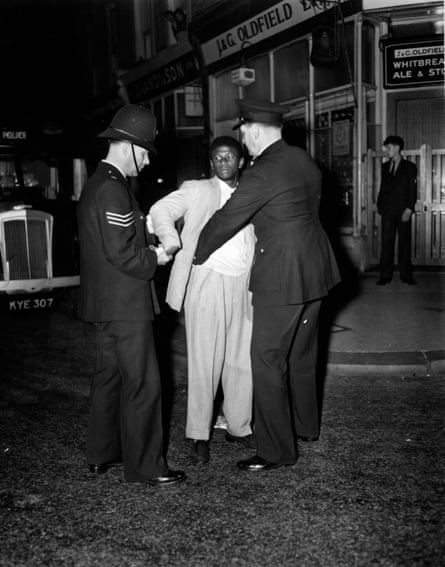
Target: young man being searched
(215, 297)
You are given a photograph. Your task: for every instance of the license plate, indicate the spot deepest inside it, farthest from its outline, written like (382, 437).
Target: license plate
(29, 303)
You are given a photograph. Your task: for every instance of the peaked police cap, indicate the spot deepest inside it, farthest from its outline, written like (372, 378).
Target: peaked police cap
(254, 110)
(135, 124)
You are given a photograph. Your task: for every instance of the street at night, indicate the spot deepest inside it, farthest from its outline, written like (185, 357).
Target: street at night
(368, 492)
(214, 207)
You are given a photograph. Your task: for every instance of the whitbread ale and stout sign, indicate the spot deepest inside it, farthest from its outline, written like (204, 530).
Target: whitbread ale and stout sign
(414, 63)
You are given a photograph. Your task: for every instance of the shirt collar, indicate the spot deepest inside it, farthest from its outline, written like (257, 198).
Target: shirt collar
(225, 186)
(115, 166)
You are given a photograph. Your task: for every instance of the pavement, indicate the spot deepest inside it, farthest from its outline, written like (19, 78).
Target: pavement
(395, 329)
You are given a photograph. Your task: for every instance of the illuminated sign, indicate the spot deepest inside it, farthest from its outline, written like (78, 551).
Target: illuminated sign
(413, 63)
(14, 135)
(276, 19)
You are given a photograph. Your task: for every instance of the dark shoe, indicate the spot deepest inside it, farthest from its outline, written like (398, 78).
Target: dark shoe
(410, 281)
(382, 281)
(308, 439)
(256, 463)
(167, 478)
(248, 441)
(200, 451)
(103, 467)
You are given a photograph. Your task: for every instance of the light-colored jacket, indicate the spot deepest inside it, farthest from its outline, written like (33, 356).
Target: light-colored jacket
(195, 201)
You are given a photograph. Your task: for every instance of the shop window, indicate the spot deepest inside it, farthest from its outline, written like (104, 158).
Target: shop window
(226, 108)
(261, 87)
(291, 71)
(341, 72)
(334, 155)
(411, 29)
(373, 130)
(189, 107)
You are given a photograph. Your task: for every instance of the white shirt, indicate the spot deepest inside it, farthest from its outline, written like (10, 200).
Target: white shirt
(234, 257)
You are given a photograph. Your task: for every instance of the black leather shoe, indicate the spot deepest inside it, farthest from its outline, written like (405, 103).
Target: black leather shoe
(256, 463)
(382, 281)
(167, 478)
(103, 467)
(308, 439)
(410, 281)
(248, 441)
(200, 451)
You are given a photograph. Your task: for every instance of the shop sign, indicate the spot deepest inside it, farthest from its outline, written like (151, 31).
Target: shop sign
(276, 19)
(413, 63)
(170, 76)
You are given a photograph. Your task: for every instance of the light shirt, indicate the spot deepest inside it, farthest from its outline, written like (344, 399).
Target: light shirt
(234, 257)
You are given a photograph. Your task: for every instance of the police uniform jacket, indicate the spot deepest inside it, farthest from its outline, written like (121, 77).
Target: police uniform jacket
(280, 195)
(397, 191)
(116, 265)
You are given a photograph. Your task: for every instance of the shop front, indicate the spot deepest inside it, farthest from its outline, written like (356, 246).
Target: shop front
(333, 65)
(170, 85)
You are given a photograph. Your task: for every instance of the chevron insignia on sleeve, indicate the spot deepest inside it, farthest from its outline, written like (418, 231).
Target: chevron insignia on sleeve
(124, 220)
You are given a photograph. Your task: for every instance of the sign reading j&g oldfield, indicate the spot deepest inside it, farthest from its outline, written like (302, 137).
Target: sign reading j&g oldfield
(276, 19)
(414, 63)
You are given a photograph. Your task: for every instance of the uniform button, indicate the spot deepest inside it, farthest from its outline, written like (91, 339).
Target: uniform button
(262, 250)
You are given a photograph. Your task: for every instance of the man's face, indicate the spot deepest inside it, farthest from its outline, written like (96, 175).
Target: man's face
(391, 150)
(226, 163)
(141, 157)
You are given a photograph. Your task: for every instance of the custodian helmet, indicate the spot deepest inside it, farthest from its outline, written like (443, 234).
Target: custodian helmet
(135, 124)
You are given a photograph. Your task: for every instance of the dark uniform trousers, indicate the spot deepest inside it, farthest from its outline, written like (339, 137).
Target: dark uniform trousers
(125, 400)
(284, 355)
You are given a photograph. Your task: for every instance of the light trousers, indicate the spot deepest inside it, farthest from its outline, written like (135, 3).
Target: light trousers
(218, 324)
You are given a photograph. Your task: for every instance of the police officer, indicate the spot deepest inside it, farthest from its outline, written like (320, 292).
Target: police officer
(293, 268)
(117, 264)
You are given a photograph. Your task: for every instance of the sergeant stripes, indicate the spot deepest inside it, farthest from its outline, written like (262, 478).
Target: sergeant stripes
(123, 220)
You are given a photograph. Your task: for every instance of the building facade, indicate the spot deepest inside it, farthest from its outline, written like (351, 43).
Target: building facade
(350, 72)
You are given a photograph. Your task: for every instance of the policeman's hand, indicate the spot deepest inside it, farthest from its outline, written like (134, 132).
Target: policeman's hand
(406, 215)
(163, 257)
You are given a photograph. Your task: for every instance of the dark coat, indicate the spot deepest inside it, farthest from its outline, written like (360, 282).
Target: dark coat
(116, 265)
(280, 195)
(397, 192)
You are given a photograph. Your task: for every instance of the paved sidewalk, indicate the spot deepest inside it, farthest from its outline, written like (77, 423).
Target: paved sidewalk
(395, 329)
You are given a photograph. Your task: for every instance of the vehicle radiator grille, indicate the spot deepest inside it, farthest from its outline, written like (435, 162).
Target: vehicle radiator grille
(26, 249)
